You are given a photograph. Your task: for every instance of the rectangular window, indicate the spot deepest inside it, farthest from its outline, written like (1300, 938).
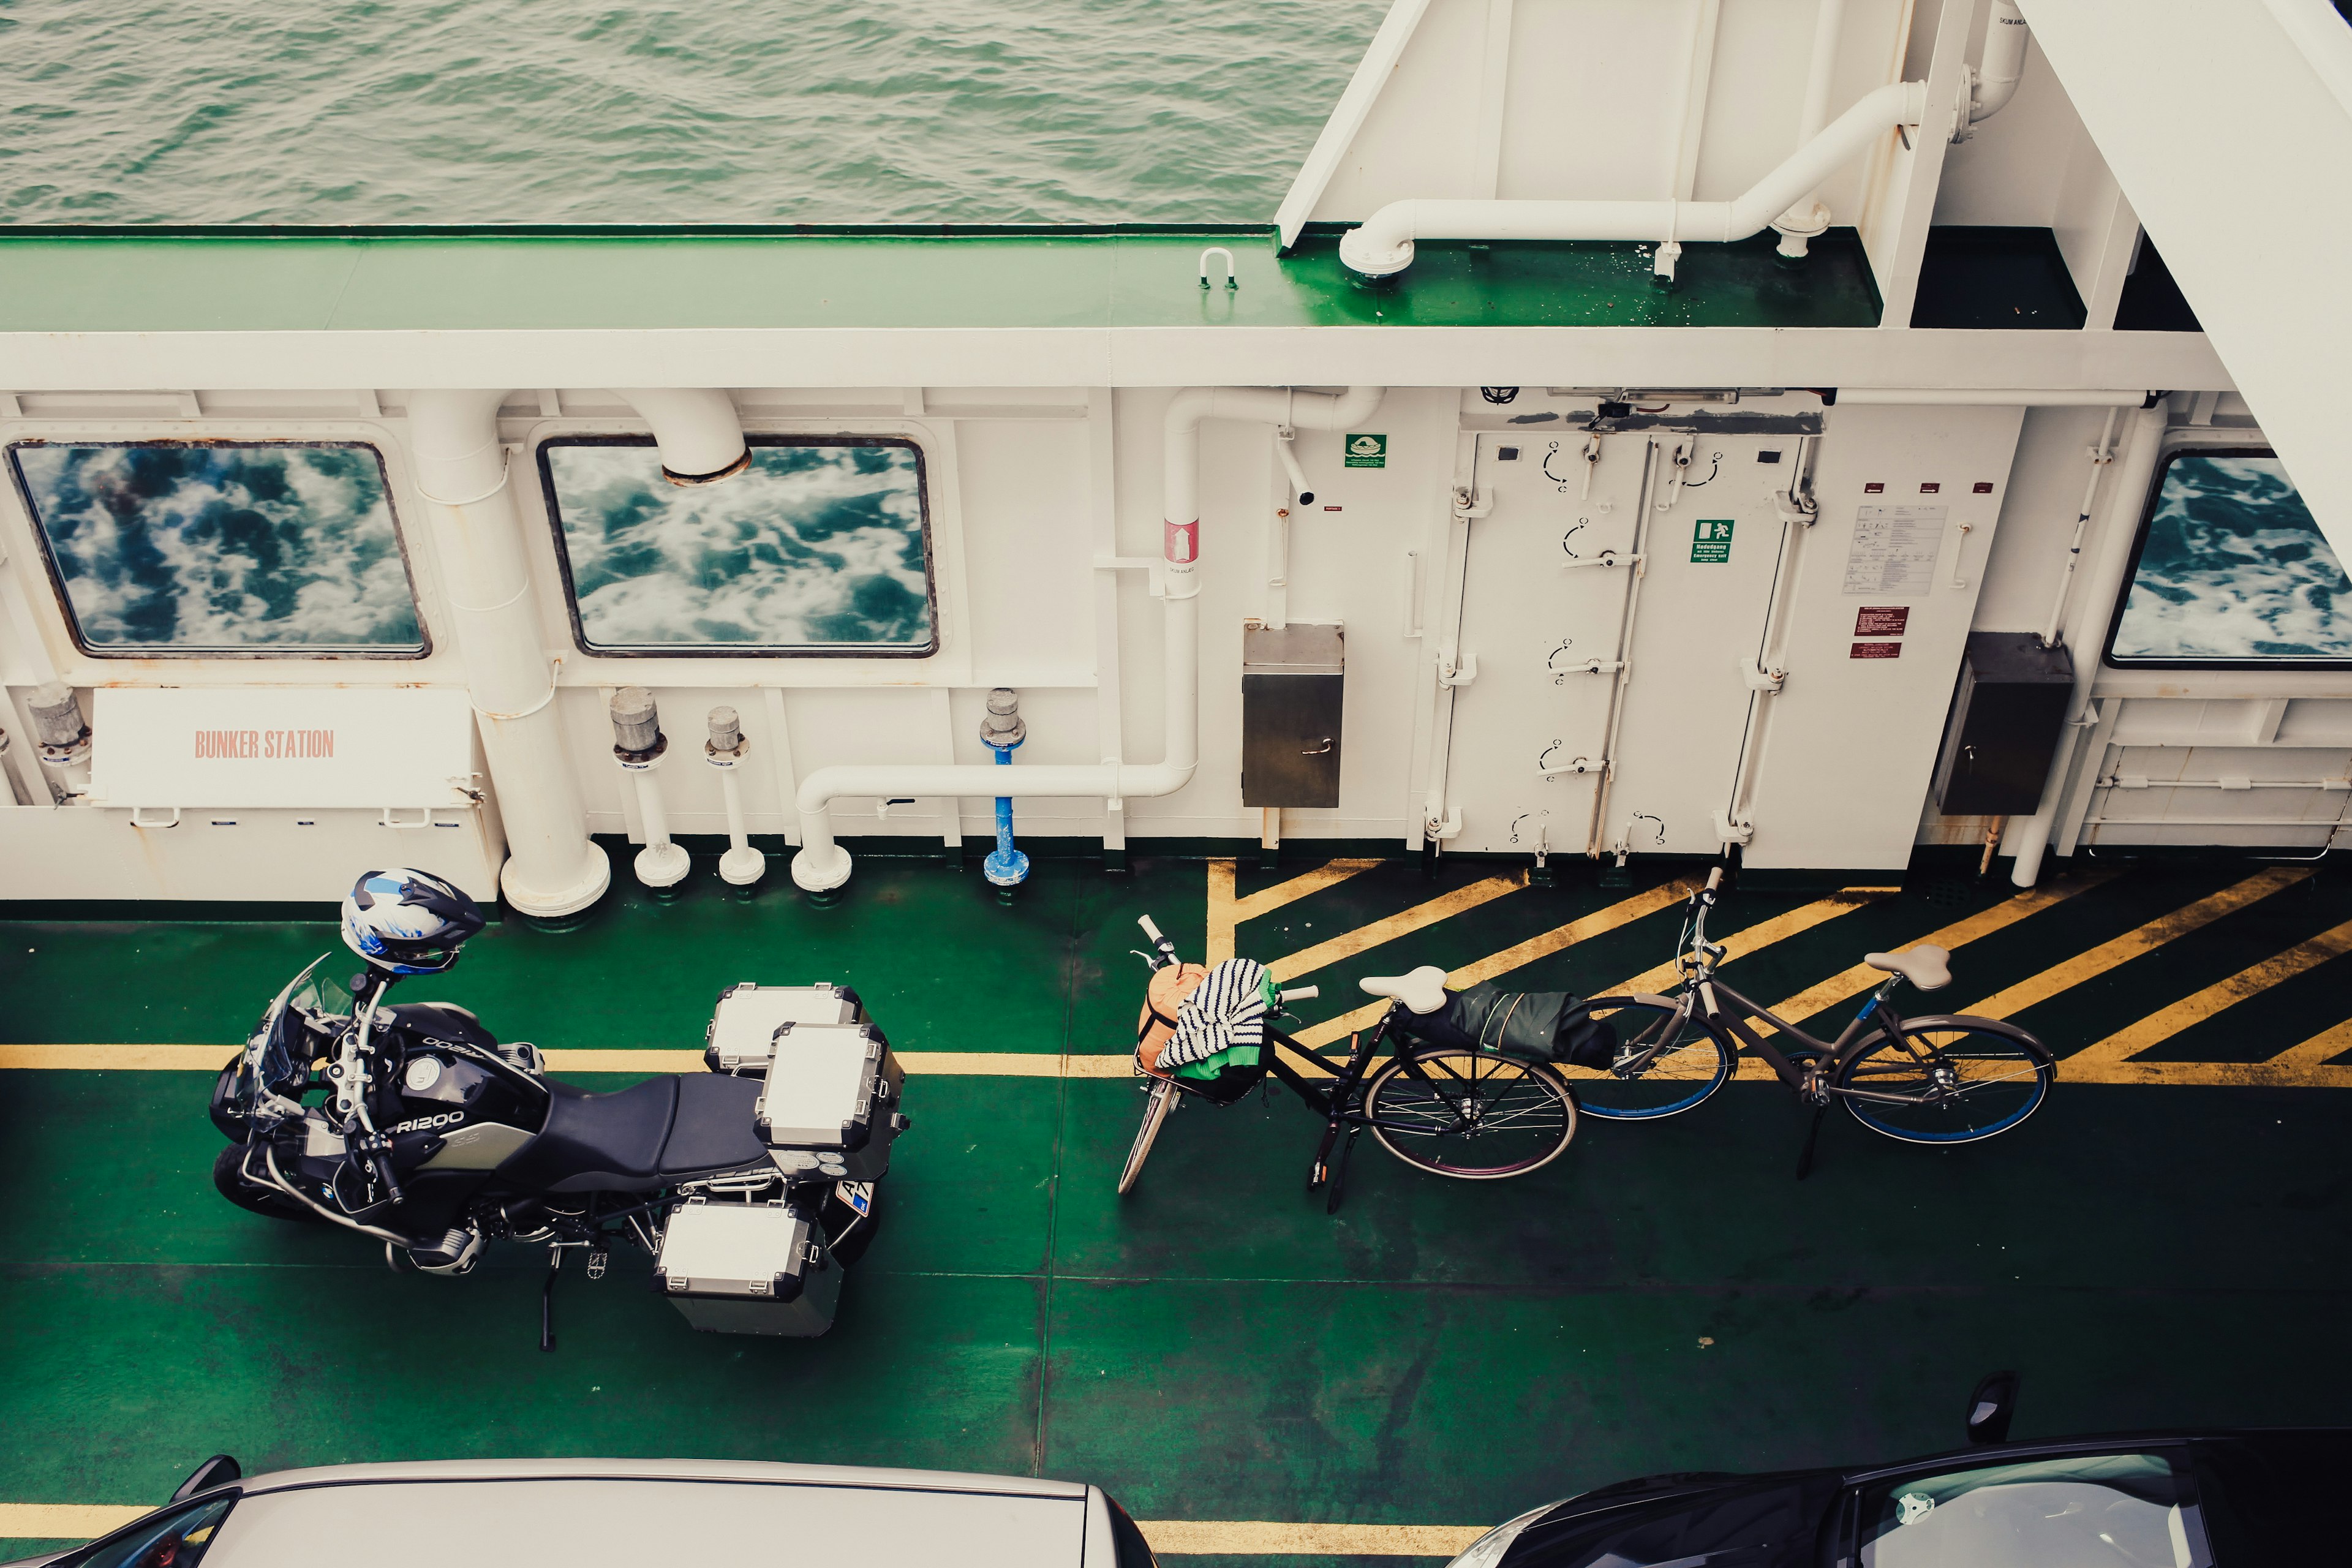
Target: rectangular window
(282, 548)
(822, 546)
(2231, 570)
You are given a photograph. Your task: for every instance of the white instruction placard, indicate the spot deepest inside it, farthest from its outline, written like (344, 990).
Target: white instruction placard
(404, 748)
(1894, 550)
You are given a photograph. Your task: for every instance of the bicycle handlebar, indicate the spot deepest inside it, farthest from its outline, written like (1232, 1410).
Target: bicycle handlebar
(1149, 929)
(1714, 879)
(1298, 993)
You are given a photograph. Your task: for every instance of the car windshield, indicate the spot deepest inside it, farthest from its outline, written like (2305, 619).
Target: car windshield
(2097, 1510)
(1773, 1525)
(160, 1541)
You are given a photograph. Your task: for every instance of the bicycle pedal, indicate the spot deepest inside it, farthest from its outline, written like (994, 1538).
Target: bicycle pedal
(596, 1261)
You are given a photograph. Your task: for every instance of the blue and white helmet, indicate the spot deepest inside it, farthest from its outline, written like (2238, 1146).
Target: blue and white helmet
(408, 923)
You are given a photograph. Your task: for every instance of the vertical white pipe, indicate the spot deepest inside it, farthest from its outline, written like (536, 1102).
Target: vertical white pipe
(1807, 215)
(553, 867)
(2028, 838)
(1698, 73)
(2101, 456)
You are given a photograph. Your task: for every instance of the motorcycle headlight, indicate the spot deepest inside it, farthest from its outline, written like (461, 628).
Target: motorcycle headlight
(1488, 1549)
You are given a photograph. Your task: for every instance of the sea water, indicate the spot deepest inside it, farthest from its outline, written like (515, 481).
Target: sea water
(240, 112)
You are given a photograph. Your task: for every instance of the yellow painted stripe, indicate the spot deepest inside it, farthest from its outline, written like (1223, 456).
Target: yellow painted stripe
(1261, 1538)
(1763, 933)
(210, 1058)
(64, 1520)
(1366, 937)
(2166, 1022)
(1623, 912)
(2134, 944)
(1175, 1537)
(1226, 911)
(2276, 1073)
(1852, 983)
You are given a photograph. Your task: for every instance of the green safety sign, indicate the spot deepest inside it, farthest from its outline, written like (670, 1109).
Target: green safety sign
(1711, 543)
(1368, 451)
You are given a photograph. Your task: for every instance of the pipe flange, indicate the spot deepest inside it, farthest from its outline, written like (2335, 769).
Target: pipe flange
(663, 864)
(646, 761)
(1365, 260)
(719, 758)
(741, 867)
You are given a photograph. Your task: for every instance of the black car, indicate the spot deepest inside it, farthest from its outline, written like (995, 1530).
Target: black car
(2137, 1499)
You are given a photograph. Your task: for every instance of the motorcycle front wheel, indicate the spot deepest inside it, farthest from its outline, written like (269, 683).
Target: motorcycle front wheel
(228, 1178)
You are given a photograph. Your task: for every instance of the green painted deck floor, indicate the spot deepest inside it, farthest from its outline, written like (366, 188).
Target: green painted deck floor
(1215, 1348)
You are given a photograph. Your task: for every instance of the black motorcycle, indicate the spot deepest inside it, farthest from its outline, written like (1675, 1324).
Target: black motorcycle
(412, 1124)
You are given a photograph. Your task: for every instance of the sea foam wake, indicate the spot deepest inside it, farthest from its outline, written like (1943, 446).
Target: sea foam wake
(815, 545)
(2234, 568)
(168, 546)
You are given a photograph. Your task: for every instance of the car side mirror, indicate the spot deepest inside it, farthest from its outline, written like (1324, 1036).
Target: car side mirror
(1991, 1406)
(218, 1471)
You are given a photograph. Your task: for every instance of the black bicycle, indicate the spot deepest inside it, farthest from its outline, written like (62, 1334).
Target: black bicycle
(1474, 1115)
(1944, 1078)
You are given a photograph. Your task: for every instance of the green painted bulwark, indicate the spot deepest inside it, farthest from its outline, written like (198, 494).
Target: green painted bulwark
(93, 281)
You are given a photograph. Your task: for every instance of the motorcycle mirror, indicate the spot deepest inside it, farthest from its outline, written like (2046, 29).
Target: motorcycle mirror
(1991, 1406)
(218, 1471)
(358, 984)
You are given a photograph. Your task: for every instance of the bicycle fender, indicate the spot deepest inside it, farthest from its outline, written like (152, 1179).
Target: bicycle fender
(1986, 1025)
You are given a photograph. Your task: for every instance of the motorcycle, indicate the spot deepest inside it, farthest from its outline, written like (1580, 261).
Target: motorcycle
(413, 1125)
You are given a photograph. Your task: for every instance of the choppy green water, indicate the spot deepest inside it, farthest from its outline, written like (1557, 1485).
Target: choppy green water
(569, 111)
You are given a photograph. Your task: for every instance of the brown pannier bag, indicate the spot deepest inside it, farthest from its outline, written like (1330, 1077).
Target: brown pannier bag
(1157, 1024)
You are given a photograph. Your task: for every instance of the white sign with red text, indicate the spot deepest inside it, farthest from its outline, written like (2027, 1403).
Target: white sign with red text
(259, 746)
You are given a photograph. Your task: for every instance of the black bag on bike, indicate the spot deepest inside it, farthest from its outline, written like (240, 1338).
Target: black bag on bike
(1550, 1025)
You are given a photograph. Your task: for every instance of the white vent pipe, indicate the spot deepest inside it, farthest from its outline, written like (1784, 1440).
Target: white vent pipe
(823, 864)
(1383, 244)
(1809, 216)
(2002, 65)
(553, 867)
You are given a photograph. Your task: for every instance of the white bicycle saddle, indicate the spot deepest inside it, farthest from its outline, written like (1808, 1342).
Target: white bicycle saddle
(1923, 966)
(1421, 990)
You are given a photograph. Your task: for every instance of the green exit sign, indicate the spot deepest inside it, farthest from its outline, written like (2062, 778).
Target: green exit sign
(1711, 542)
(1368, 451)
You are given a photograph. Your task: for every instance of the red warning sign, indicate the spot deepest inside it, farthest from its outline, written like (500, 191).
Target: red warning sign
(1876, 651)
(1881, 621)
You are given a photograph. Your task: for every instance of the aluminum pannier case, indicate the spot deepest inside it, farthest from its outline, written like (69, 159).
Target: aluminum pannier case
(831, 1103)
(748, 1269)
(742, 1032)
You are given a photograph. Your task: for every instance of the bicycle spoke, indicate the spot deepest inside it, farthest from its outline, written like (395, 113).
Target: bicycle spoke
(1469, 1114)
(1945, 1085)
(1663, 1062)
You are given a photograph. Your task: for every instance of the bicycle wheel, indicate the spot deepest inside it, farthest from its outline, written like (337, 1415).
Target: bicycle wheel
(1667, 1063)
(1155, 1111)
(1952, 1082)
(1475, 1115)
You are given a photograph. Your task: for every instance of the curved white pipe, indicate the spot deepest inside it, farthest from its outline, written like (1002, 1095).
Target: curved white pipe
(823, 864)
(1383, 244)
(2002, 65)
(695, 428)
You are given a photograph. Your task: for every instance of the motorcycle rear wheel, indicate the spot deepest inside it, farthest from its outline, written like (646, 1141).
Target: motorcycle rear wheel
(228, 1178)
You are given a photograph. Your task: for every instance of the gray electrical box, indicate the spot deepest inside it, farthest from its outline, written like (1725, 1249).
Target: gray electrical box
(1291, 682)
(2006, 723)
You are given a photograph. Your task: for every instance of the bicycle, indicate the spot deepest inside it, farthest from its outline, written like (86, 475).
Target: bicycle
(1941, 1078)
(1457, 1112)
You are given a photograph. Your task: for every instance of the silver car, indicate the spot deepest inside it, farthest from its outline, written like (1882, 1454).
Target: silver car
(588, 1513)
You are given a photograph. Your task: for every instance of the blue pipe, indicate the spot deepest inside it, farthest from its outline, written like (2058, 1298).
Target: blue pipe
(1005, 865)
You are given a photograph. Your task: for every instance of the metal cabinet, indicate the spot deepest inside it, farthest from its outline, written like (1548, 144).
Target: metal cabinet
(1291, 683)
(2005, 725)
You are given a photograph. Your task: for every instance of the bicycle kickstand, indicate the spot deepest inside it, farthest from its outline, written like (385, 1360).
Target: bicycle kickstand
(1812, 1136)
(1336, 1185)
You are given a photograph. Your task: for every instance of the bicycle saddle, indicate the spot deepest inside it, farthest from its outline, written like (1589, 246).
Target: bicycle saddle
(1420, 990)
(1923, 966)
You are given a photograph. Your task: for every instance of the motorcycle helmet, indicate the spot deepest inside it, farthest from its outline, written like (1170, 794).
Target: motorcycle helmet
(407, 922)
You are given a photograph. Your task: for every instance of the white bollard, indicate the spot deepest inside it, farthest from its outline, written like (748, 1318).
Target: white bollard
(742, 865)
(639, 746)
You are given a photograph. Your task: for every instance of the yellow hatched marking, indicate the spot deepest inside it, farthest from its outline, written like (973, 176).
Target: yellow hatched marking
(65, 1521)
(2133, 943)
(1763, 933)
(1600, 921)
(1366, 937)
(1852, 983)
(2162, 1025)
(1263, 1538)
(1226, 911)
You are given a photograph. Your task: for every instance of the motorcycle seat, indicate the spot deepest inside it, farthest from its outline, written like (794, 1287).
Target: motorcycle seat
(648, 1135)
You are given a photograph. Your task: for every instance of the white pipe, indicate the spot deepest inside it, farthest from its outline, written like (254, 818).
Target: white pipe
(553, 867)
(2101, 456)
(2028, 838)
(1383, 244)
(1807, 216)
(1277, 530)
(823, 864)
(661, 863)
(1971, 397)
(695, 428)
(2002, 65)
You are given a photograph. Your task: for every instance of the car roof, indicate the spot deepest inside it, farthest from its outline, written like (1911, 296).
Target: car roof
(719, 1470)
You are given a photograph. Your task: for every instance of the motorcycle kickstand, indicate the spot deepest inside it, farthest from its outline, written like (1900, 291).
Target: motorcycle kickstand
(1812, 1136)
(1338, 1182)
(547, 1299)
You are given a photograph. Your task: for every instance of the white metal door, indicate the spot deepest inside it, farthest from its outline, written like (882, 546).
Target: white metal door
(1713, 543)
(1542, 591)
